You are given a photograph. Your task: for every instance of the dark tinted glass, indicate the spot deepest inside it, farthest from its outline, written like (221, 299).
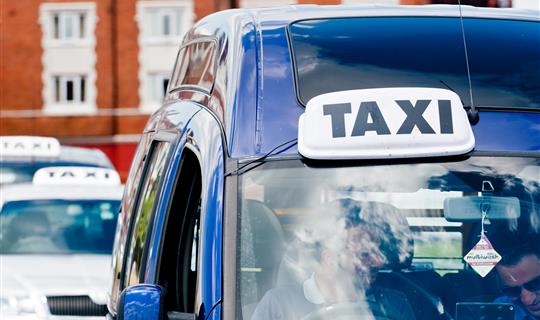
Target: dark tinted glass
(361, 53)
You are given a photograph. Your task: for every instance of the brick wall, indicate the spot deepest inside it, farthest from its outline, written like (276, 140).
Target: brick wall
(127, 63)
(104, 51)
(20, 55)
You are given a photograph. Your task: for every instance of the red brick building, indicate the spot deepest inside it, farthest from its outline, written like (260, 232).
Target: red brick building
(90, 72)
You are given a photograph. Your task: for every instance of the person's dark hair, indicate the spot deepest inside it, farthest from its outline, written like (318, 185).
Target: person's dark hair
(513, 247)
(383, 220)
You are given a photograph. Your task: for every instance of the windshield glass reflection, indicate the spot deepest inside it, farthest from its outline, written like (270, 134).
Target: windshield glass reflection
(58, 226)
(321, 242)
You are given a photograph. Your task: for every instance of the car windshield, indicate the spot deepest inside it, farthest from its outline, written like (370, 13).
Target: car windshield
(381, 52)
(58, 226)
(16, 174)
(321, 242)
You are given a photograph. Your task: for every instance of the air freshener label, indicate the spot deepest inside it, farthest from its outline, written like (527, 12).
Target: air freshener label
(482, 258)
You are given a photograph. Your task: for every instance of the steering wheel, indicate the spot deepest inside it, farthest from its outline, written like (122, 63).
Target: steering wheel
(365, 310)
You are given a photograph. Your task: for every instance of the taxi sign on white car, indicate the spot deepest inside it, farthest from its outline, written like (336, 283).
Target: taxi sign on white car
(24, 146)
(76, 175)
(384, 123)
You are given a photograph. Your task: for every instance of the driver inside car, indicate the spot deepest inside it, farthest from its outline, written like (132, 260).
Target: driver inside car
(348, 251)
(519, 275)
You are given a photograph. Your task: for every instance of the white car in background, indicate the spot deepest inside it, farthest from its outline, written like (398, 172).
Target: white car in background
(56, 237)
(22, 156)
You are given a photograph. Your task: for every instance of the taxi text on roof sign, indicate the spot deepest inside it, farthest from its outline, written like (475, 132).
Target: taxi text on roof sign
(384, 123)
(28, 146)
(76, 176)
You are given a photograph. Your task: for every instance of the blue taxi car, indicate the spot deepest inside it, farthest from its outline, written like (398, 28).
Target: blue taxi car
(313, 162)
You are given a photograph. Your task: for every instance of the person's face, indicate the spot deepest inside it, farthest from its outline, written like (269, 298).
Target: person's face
(361, 256)
(522, 282)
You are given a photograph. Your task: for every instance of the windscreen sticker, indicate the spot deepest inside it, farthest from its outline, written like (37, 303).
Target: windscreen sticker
(482, 257)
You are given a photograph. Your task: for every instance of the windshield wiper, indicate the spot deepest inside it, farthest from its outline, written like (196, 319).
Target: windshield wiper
(260, 160)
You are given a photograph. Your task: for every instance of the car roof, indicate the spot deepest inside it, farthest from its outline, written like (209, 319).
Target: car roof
(20, 150)
(287, 14)
(85, 155)
(68, 155)
(266, 110)
(28, 191)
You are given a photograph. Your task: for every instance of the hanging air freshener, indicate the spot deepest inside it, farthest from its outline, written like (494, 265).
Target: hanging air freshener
(482, 257)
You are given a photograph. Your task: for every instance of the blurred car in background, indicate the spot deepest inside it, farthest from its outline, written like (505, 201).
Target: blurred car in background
(22, 156)
(56, 237)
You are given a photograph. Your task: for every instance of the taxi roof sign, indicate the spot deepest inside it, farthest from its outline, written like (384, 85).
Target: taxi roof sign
(29, 146)
(76, 176)
(384, 123)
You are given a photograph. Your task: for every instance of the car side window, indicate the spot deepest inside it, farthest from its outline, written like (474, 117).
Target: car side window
(180, 250)
(195, 66)
(144, 207)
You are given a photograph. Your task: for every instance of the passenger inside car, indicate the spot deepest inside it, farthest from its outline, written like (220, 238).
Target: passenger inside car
(519, 274)
(425, 242)
(30, 232)
(338, 284)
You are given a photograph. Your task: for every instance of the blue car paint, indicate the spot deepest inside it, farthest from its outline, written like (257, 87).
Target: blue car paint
(278, 109)
(210, 264)
(243, 107)
(159, 219)
(262, 114)
(508, 131)
(141, 302)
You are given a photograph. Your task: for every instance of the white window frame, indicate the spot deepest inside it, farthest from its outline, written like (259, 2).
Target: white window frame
(65, 12)
(157, 54)
(156, 81)
(162, 14)
(181, 17)
(154, 90)
(77, 88)
(64, 21)
(69, 57)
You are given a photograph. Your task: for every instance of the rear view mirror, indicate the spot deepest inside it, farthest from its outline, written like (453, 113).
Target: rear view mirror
(470, 208)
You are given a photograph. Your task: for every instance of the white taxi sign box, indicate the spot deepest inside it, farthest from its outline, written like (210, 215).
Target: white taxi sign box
(76, 176)
(384, 123)
(28, 146)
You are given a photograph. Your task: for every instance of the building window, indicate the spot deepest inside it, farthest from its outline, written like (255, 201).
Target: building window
(162, 24)
(159, 84)
(165, 22)
(70, 89)
(69, 25)
(69, 57)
